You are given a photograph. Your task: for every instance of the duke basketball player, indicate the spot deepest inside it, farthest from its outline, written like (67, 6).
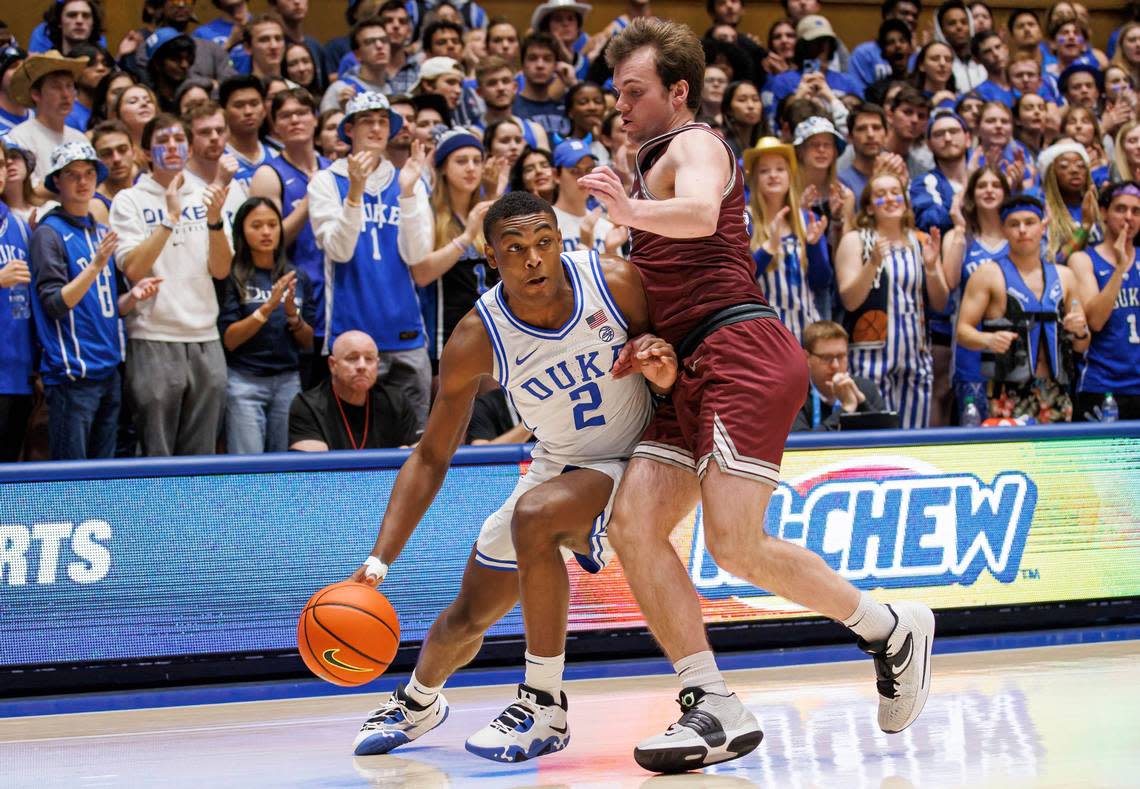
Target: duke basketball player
(552, 333)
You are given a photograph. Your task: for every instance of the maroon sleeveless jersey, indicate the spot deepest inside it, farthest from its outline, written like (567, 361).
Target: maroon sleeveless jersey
(688, 279)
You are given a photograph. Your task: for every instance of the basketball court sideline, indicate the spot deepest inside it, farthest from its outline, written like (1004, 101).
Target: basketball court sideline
(1044, 716)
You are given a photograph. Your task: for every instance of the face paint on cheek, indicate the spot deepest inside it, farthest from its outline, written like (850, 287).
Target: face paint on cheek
(170, 156)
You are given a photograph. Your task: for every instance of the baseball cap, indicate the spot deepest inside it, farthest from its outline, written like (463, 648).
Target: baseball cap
(569, 152)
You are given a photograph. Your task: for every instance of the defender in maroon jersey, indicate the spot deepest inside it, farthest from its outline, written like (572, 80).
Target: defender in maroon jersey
(743, 379)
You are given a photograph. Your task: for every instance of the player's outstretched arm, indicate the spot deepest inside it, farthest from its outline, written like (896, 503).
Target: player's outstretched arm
(702, 170)
(466, 358)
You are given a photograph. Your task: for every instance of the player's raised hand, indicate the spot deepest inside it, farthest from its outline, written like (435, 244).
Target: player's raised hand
(604, 184)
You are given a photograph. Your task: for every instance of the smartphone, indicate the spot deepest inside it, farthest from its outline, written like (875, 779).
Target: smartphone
(811, 66)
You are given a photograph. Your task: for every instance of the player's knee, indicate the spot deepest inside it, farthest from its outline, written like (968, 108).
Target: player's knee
(626, 534)
(534, 524)
(731, 548)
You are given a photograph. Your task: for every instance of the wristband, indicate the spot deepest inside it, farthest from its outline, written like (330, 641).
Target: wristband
(375, 567)
(259, 317)
(215, 226)
(166, 223)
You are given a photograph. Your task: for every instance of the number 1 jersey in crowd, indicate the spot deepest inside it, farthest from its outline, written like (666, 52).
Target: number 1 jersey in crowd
(559, 379)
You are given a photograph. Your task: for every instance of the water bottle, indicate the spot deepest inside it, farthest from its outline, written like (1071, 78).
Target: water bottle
(1109, 410)
(970, 415)
(18, 296)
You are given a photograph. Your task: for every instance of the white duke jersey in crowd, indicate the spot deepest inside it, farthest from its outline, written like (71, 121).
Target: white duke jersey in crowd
(559, 380)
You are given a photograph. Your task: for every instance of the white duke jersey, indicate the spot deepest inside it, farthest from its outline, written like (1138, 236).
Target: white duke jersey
(559, 380)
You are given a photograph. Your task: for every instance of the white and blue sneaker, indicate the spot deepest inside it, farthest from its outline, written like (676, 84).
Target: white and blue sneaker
(902, 665)
(534, 725)
(398, 722)
(713, 728)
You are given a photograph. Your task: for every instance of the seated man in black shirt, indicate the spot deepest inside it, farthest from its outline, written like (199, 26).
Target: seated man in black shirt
(495, 421)
(832, 390)
(348, 411)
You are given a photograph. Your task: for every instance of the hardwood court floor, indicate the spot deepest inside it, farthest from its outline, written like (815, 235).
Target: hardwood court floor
(1063, 716)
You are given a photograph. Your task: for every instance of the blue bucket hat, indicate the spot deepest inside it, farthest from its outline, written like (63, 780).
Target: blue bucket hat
(368, 102)
(69, 153)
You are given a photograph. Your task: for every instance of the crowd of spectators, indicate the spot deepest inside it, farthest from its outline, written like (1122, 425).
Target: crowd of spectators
(226, 235)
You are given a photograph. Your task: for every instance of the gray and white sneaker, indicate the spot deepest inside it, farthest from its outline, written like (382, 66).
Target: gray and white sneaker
(398, 722)
(713, 728)
(902, 665)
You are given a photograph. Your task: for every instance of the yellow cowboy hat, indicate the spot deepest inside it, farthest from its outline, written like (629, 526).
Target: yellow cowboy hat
(769, 145)
(35, 68)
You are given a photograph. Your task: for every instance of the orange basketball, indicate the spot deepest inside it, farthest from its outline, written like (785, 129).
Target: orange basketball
(348, 633)
(871, 327)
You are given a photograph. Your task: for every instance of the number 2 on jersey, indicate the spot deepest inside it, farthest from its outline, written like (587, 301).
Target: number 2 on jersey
(591, 400)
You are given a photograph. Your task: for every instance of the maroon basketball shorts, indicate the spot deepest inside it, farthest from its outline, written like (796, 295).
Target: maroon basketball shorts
(735, 400)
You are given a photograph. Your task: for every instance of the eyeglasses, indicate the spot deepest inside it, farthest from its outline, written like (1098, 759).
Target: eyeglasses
(373, 41)
(582, 169)
(829, 358)
(294, 114)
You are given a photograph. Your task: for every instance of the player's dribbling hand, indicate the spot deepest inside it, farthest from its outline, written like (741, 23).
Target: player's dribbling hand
(361, 576)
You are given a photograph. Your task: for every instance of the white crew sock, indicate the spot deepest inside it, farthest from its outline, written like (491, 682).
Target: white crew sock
(419, 692)
(545, 673)
(873, 622)
(699, 671)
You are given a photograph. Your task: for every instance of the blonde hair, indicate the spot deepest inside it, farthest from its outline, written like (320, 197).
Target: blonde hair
(761, 220)
(1118, 58)
(447, 225)
(1062, 226)
(865, 219)
(1124, 170)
